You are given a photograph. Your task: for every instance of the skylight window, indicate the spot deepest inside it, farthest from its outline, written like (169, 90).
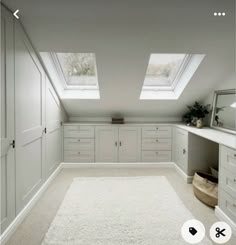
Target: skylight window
(162, 69)
(79, 69)
(168, 74)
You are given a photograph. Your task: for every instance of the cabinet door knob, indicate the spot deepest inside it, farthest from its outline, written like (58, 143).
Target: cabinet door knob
(157, 140)
(156, 152)
(78, 152)
(78, 140)
(184, 151)
(157, 128)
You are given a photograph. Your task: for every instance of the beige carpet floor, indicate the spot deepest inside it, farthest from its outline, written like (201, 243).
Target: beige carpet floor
(34, 227)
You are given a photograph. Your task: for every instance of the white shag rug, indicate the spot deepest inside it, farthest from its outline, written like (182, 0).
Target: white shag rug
(119, 211)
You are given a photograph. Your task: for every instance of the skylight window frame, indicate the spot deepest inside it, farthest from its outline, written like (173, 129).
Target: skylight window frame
(61, 74)
(176, 79)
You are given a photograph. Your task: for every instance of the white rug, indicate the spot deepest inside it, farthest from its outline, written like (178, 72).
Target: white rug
(119, 211)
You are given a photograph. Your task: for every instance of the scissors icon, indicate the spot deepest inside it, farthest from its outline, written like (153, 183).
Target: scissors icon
(219, 232)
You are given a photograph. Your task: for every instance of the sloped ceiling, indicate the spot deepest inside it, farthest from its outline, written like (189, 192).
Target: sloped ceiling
(123, 34)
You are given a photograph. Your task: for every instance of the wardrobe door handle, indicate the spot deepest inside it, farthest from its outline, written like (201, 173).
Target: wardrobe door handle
(120, 143)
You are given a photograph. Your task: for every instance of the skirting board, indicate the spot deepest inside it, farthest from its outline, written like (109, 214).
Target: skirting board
(118, 165)
(188, 179)
(222, 216)
(21, 216)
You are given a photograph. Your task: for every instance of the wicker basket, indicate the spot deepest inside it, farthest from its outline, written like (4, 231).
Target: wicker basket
(205, 188)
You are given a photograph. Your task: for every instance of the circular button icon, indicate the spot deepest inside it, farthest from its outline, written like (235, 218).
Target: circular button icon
(220, 232)
(193, 231)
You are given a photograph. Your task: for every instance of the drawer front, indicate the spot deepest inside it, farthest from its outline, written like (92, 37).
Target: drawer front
(78, 132)
(79, 156)
(157, 132)
(228, 205)
(156, 144)
(156, 156)
(228, 182)
(228, 159)
(78, 144)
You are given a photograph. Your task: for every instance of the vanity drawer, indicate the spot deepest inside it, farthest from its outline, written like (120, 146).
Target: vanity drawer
(156, 144)
(74, 131)
(78, 144)
(228, 205)
(228, 182)
(156, 156)
(79, 156)
(228, 159)
(157, 132)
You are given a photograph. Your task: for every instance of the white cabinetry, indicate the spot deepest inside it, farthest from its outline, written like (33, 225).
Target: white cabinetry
(227, 185)
(29, 119)
(118, 144)
(110, 143)
(7, 173)
(156, 144)
(53, 129)
(78, 143)
(129, 144)
(193, 153)
(106, 144)
(181, 149)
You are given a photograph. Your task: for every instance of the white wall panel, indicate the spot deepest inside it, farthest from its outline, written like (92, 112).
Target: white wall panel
(7, 153)
(30, 120)
(54, 129)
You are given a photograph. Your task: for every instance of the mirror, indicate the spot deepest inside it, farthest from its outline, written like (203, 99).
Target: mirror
(224, 111)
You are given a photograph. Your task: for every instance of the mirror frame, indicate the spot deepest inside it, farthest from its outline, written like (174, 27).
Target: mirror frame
(216, 93)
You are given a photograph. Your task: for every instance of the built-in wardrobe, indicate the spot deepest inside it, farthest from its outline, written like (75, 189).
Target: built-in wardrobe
(31, 121)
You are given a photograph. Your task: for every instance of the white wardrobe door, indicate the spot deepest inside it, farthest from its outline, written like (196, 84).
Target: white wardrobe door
(106, 144)
(30, 120)
(7, 121)
(129, 144)
(54, 130)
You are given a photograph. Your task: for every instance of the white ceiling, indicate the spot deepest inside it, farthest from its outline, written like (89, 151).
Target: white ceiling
(123, 34)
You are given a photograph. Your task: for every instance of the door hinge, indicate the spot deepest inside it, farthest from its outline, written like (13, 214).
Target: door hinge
(45, 130)
(13, 144)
